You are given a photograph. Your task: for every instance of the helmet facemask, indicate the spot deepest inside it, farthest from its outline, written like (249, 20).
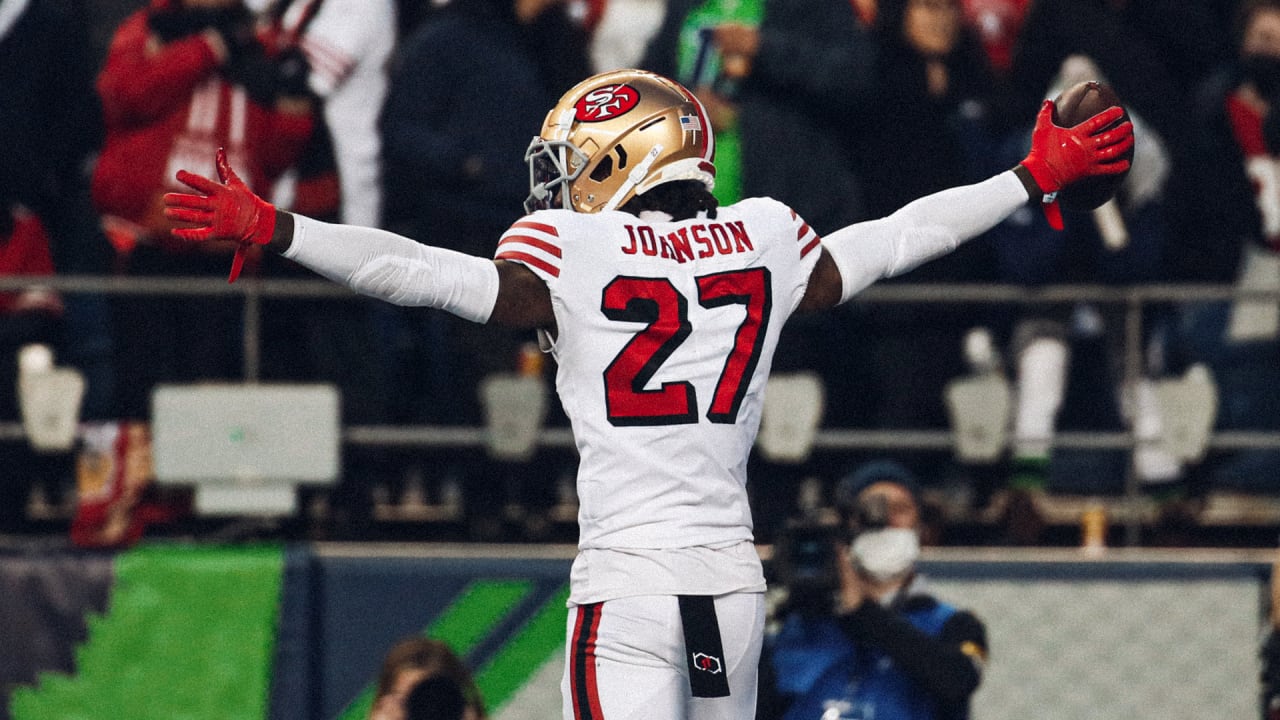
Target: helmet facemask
(553, 165)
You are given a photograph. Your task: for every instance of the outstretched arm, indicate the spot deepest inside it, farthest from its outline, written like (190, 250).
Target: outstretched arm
(856, 256)
(370, 261)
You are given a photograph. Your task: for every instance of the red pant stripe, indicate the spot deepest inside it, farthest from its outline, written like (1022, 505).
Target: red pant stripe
(582, 675)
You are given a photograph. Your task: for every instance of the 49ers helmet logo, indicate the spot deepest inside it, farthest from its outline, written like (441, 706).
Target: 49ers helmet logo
(606, 103)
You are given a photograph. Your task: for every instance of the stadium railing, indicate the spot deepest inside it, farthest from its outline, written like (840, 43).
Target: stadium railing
(1134, 300)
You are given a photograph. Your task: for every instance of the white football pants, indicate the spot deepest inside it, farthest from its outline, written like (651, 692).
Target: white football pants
(625, 660)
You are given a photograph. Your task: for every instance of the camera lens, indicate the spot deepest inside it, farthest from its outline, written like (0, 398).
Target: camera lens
(873, 512)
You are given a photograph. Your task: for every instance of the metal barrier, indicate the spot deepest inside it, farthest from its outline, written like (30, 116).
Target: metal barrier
(1134, 300)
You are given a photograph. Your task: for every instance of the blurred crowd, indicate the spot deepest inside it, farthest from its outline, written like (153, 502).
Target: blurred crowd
(414, 115)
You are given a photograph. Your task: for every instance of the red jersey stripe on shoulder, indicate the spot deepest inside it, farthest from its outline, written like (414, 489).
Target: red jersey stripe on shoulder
(806, 237)
(532, 241)
(528, 259)
(540, 227)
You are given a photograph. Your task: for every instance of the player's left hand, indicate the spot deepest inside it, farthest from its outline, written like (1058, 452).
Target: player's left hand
(224, 210)
(1060, 156)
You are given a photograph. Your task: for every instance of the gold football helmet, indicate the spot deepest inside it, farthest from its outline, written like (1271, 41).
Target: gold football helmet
(614, 136)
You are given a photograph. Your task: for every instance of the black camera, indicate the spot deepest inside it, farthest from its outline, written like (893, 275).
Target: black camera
(808, 556)
(805, 554)
(805, 560)
(436, 697)
(870, 513)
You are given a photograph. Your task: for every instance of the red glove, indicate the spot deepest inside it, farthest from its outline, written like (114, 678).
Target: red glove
(223, 211)
(1060, 156)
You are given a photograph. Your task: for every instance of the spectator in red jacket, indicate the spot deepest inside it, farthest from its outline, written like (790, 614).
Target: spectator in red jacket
(177, 85)
(181, 79)
(118, 497)
(24, 250)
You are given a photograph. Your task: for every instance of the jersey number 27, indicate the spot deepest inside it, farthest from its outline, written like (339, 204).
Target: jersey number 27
(665, 312)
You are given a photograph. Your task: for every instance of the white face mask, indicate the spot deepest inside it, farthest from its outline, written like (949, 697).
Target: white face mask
(886, 553)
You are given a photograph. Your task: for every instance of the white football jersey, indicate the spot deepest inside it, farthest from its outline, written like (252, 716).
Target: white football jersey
(348, 45)
(665, 333)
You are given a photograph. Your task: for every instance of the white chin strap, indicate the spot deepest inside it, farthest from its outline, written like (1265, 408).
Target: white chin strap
(563, 124)
(634, 178)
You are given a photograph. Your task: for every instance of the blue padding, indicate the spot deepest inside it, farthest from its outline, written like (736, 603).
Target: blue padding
(366, 604)
(297, 661)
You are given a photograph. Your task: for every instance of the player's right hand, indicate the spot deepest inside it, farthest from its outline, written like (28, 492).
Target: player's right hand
(226, 210)
(1060, 156)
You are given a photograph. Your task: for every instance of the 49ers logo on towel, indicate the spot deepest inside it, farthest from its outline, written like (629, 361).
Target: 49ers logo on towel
(606, 103)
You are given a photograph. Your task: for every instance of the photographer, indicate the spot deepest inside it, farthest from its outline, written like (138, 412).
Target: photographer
(423, 678)
(864, 638)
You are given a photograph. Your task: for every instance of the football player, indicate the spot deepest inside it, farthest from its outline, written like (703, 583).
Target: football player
(662, 312)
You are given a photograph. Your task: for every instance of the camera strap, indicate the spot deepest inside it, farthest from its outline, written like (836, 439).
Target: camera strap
(703, 650)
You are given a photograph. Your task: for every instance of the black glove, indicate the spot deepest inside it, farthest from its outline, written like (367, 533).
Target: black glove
(173, 23)
(247, 64)
(267, 79)
(292, 73)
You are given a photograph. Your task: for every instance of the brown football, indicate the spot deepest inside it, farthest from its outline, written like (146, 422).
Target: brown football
(1072, 107)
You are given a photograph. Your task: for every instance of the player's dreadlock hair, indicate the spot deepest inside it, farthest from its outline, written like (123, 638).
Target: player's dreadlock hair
(681, 199)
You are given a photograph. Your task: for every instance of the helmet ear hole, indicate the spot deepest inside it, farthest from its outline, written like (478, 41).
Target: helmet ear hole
(603, 170)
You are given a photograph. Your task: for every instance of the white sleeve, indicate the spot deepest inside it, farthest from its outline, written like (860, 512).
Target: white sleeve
(921, 230)
(394, 268)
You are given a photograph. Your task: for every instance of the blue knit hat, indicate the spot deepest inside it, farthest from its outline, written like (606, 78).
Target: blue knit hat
(873, 471)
